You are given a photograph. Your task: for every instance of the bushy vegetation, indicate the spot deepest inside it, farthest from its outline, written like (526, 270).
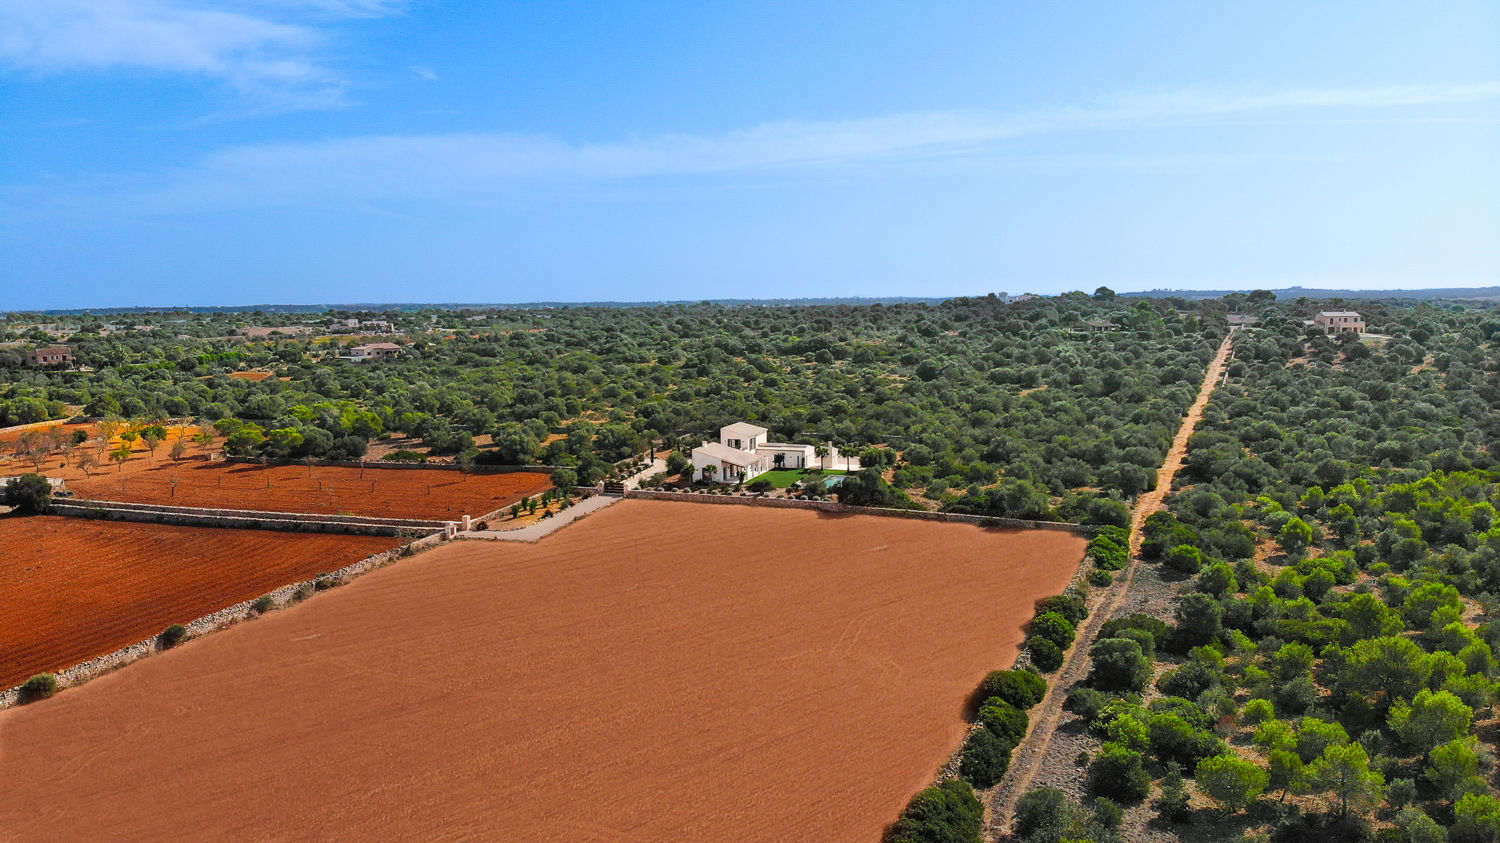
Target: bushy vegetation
(38, 687)
(30, 494)
(949, 812)
(999, 409)
(1335, 552)
(171, 636)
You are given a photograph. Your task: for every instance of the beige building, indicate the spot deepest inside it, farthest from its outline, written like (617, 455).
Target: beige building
(1339, 322)
(52, 355)
(379, 351)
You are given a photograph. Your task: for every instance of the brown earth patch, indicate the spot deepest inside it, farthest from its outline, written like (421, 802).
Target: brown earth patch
(72, 589)
(390, 493)
(661, 671)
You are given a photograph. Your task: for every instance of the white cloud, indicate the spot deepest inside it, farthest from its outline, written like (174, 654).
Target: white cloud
(422, 71)
(273, 61)
(482, 166)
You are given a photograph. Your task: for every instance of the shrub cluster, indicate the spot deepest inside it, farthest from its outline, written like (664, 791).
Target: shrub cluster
(1006, 695)
(38, 687)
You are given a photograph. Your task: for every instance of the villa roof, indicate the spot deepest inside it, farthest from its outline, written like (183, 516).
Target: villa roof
(742, 429)
(1337, 313)
(724, 453)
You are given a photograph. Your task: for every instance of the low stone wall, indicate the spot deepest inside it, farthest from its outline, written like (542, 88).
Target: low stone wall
(244, 519)
(41, 425)
(224, 618)
(392, 464)
(832, 506)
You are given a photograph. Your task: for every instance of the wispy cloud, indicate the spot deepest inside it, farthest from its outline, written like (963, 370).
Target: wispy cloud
(422, 71)
(482, 166)
(274, 61)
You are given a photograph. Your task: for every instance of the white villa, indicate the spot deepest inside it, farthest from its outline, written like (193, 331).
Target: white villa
(742, 452)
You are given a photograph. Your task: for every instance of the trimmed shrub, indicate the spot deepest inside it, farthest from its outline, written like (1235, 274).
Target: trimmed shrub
(1120, 774)
(171, 636)
(1151, 625)
(1185, 558)
(986, 756)
(1107, 553)
(263, 604)
(1100, 578)
(1021, 688)
(1119, 665)
(945, 813)
(1045, 656)
(1004, 719)
(38, 687)
(1053, 627)
(1087, 702)
(1041, 810)
(1070, 606)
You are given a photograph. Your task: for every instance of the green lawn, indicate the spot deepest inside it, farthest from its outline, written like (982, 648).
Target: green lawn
(783, 477)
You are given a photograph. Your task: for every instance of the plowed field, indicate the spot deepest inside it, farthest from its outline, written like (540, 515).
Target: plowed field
(658, 671)
(72, 589)
(391, 493)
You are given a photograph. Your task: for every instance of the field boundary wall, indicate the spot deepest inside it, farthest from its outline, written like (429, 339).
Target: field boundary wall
(394, 464)
(224, 618)
(41, 425)
(295, 522)
(832, 506)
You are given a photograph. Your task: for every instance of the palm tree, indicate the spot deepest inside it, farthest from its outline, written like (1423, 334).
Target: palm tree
(709, 471)
(821, 452)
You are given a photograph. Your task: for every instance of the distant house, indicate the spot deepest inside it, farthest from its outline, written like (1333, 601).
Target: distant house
(374, 351)
(1099, 326)
(51, 355)
(1339, 322)
(742, 452)
(368, 326)
(1240, 320)
(1025, 297)
(261, 332)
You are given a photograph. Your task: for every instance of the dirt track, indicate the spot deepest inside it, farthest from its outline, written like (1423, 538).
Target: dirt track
(72, 589)
(391, 493)
(659, 671)
(1032, 752)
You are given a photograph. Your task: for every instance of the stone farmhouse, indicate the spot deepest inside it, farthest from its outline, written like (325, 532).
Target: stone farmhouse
(1339, 322)
(374, 351)
(51, 355)
(742, 452)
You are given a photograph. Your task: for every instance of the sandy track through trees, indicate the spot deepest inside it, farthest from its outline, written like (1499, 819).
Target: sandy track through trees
(72, 589)
(1045, 718)
(658, 671)
(390, 493)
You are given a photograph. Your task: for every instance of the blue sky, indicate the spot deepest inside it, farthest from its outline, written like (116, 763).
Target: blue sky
(172, 152)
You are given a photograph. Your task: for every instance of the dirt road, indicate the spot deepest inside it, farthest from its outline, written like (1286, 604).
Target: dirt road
(1106, 603)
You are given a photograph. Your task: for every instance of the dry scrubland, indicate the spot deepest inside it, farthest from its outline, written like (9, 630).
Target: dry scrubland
(659, 671)
(390, 493)
(72, 589)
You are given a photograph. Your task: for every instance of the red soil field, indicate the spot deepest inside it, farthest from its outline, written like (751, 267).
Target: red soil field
(391, 493)
(659, 671)
(72, 589)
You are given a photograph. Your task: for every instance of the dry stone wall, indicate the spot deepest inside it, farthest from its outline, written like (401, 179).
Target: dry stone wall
(226, 617)
(832, 506)
(300, 522)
